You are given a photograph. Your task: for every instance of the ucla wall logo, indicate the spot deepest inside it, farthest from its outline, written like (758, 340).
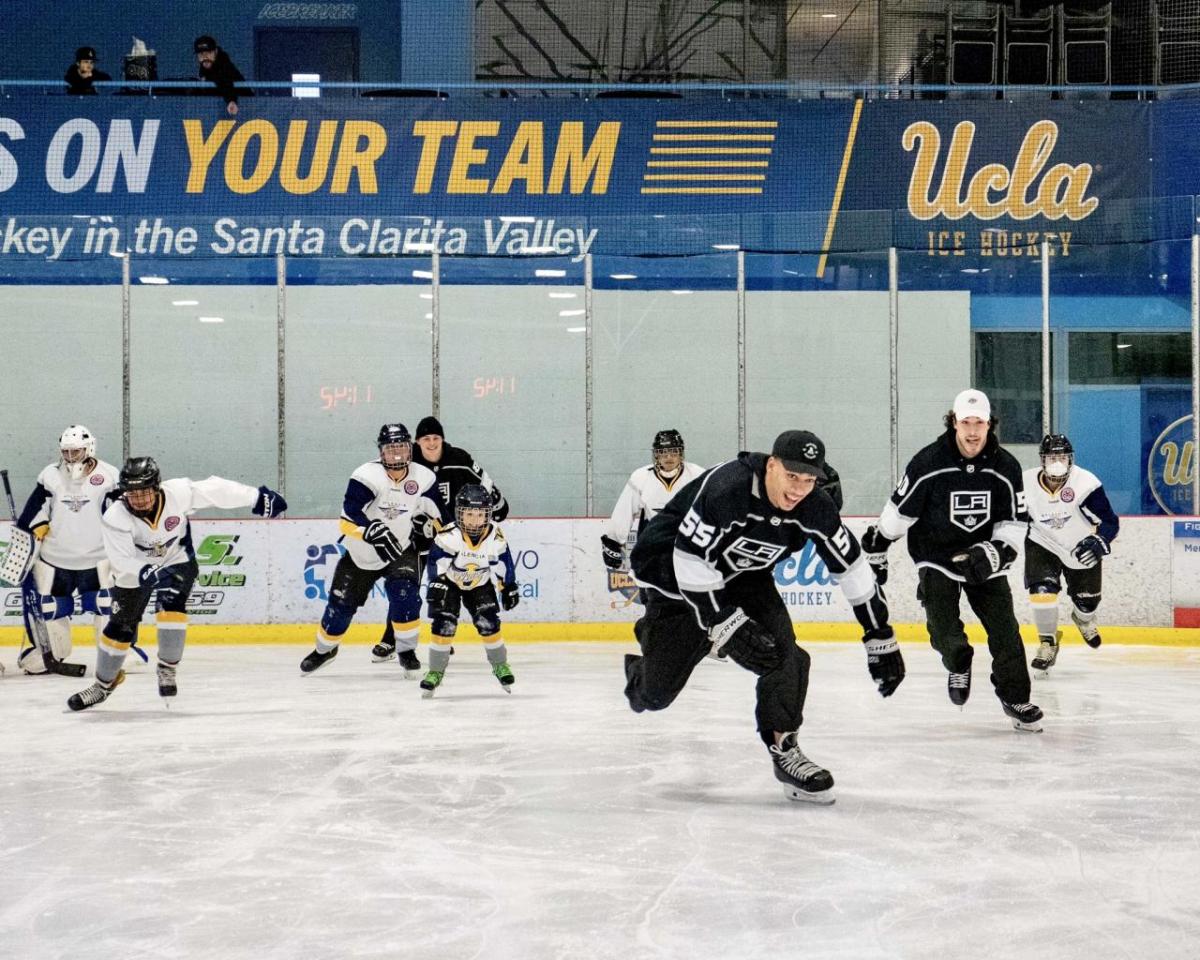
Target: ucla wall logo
(1171, 469)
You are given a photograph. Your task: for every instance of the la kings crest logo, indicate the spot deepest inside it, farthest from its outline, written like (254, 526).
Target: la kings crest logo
(970, 509)
(746, 553)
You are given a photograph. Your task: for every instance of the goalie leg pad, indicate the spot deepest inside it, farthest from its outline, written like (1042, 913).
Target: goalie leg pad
(59, 632)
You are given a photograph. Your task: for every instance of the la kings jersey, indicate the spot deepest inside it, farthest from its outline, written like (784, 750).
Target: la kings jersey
(372, 495)
(164, 538)
(947, 502)
(72, 509)
(645, 494)
(455, 470)
(467, 564)
(722, 525)
(1059, 519)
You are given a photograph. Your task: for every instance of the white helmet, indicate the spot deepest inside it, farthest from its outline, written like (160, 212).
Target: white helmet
(74, 439)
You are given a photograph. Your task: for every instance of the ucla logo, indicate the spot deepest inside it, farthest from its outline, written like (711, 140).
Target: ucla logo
(804, 568)
(1171, 469)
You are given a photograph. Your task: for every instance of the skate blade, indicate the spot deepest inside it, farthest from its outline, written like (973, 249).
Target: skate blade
(822, 797)
(427, 694)
(411, 674)
(1022, 727)
(388, 658)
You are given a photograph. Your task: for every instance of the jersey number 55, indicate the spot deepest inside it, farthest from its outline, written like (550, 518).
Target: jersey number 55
(701, 534)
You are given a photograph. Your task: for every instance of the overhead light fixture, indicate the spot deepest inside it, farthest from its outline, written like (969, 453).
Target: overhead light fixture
(828, 16)
(571, 313)
(185, 303)
(576, 329)
(426, 296)
(549, 273)
(423, 274)
(211, 319)
(680, 293)
(623, 276)
(429, 316)
(517, 220)
(559, 295)
(725, 246)
(1124, 346)
(306, 78)
(153, 280)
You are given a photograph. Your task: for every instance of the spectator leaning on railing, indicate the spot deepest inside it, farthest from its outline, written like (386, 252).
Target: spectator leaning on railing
(83, 73)
(217, 68)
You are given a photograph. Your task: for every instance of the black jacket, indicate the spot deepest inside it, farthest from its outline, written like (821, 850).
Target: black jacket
(454, 471)
(83, 85)
(224, 75)
(947, 502)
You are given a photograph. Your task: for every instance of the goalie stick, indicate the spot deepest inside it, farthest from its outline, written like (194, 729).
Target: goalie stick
(33, 619)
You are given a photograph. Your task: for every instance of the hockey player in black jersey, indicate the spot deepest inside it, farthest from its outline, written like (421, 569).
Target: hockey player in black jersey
(705, 564)
(454, 469)
(961, 502)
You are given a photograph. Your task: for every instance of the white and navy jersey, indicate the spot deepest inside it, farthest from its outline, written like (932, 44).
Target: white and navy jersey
(645, 494)
(163, 537)
(1059, 519)
(69, 512)
(946, 503)
(372, 495)
(469, 564)
(722, 525)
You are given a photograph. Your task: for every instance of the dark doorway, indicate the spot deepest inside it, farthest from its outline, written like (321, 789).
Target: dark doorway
(330, 52)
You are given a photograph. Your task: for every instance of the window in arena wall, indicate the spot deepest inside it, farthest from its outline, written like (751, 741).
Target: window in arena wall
(1126, 359)
(1008, 368)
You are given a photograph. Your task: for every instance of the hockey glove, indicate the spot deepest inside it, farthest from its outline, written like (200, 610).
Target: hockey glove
(984, 560)
(1090, 549)
(611, 552)
(510, 595)
(875, 547)
(884, 660)
(423, 526)
(379, 535)
(152, 576)
(270, 504)
(745, 642)
(436, 595)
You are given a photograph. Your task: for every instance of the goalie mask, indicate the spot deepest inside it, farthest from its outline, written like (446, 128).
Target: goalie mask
(1057, 455)
(473, 510)
(667, 450)
(77, 446)
(395, 446)
(139, 482)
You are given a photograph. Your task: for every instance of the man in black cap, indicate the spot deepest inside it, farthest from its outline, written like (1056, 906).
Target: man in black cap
(217, 68)
(705, 565)
(83, 73)
(454, 468)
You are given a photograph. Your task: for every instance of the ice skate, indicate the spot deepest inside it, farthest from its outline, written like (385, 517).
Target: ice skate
(958, 686)
(98, 692)
(1088, 630)
(410, 663)
(317, 659)
(383, 651)
(1026, 717)
(430, 682)
(801, 778)
(503, 673)
(166, 679)
(1047, 653)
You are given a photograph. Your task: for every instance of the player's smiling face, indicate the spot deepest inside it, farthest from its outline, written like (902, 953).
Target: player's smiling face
(971, 435)
(431, 447)
(785, 489)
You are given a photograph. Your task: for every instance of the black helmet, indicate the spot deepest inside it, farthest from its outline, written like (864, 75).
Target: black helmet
(394, 433)
(473, 497)
(1056, 445)
(668, 440)
(140, 473)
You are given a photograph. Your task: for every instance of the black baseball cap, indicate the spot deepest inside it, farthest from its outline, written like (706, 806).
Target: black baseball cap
(86, 53)
(801, 451)
(204, 44)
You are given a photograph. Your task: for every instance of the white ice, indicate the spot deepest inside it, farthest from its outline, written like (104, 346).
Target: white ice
(272, 816)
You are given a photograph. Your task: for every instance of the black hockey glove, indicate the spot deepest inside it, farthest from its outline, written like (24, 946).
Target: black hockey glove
(270, 504)
(984, 560)
(875, 547)
(510, 595)
(386, 544)
(423, 526)
(611, 552)
(436, 595)
(884, 660)
(832, 485)
(152, 576)
(1090, 549)
(746, 642)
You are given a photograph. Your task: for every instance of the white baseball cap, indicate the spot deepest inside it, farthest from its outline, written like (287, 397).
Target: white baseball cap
(972, 403)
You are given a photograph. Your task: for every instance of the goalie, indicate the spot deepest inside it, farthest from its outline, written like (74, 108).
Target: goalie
(61, 556)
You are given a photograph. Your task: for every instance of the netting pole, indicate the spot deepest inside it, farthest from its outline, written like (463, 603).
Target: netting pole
(588, 377)
(126, 380)
(894, 362)
(435, 332)
(281, 370)
(741, 348)
(1195, 374)
(1045, 338)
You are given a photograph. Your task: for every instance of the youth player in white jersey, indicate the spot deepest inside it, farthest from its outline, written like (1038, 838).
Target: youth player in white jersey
(1071, 527)
(389, 514)
(63, 514)
(647, 491)
(148, 541)
(465, 558)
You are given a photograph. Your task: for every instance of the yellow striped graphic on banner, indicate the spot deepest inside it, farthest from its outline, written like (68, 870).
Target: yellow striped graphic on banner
(710, 149)
(729, 190)
(841, 184)
(716, 136)
(717, 123)
(705, 176)
(706, 163)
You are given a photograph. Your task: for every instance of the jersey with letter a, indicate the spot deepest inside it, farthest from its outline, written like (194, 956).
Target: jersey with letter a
(72, 509)
(372, 495)
(164, 538)
(1058, 520)
(468, 564)
(645, 494)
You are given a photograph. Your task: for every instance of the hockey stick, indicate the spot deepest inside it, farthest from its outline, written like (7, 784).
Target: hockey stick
(40, 638)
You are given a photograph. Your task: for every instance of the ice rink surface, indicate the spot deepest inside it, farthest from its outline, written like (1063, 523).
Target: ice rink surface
(273, 816)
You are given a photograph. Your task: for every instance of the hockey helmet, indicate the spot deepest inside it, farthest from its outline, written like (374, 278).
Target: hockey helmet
(473, 496)
(77, 446)
(667, 449)
(394, 434)
(140, 473)
(1057, 455)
